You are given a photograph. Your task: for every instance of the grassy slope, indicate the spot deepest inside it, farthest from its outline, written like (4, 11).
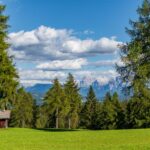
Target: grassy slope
(29, 139)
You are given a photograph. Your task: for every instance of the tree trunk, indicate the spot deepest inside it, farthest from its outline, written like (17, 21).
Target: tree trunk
(57, 118)
(69, 122)
(6, 123)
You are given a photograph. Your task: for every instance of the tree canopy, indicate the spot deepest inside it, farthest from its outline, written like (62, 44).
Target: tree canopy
(8, 73)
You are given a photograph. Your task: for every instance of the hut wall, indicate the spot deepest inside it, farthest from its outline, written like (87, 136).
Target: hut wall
(2, 123)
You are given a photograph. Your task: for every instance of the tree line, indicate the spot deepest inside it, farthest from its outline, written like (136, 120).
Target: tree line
(63, 106)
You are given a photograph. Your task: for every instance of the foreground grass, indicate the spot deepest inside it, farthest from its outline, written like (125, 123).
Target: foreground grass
(30, 139)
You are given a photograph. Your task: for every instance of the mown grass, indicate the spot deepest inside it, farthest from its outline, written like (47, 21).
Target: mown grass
(31, 139)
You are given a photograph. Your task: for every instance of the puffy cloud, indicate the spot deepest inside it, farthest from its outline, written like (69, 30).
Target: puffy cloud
(40, 74)
(55, 52)
(63, 64)
(104, 63)
(75, 64)
(103, 45)
(103, 77)
(31, 77)
(40, 44)
(96, 73)
(28, 83)
(47, 43)
(17, 54)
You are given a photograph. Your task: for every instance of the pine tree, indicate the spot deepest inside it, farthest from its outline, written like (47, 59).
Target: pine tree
(90, 110)
(35, 113)
(107, 117)
(136, 69)
(8, 74)
(74, 98)
(22, 112)
(120, 114)
(138, 113)
(136, 54)
(43, 118)
(56, 103)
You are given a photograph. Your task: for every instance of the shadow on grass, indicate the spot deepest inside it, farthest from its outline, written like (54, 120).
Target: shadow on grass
(56, 130)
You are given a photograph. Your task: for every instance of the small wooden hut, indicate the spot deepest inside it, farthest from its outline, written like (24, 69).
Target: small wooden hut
(4, 117)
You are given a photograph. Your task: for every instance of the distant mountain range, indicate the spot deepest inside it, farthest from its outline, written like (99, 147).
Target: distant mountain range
(38, 91)
(114, 85)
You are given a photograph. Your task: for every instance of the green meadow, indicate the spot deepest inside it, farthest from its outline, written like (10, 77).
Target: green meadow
(50, 139)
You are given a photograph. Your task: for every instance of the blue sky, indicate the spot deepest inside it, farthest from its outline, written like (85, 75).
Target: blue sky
(53, 37)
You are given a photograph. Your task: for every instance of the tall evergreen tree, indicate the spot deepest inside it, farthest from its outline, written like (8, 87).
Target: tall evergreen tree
(90, 110)
(138, 113)
(8, 74)
(136, 54)
(74, 98)
(57, 103)
(35, 113)
(22, 112)
(43, 117)
(107, 117)
(136, 69)
(120, 114)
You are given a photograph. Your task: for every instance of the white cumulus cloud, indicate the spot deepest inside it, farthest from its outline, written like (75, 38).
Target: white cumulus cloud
(103, 45)
(63, 64)
(46, 43)
(56, 52)
(31, 77)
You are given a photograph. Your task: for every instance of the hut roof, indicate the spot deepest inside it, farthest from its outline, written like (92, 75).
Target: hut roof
(5, 114)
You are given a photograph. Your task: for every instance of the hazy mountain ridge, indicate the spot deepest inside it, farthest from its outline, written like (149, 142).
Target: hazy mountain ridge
(38, 91)
(114, 85)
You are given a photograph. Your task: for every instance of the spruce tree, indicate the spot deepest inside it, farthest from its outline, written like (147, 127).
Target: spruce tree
(136, 69)
(23, 108)
(90, 110)
(43, 117)
(56, 103)
(35, 113)
(136, 55)
(74, 98)
(138, 113)
(107, 117)
(120, 114)
(8, 74)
